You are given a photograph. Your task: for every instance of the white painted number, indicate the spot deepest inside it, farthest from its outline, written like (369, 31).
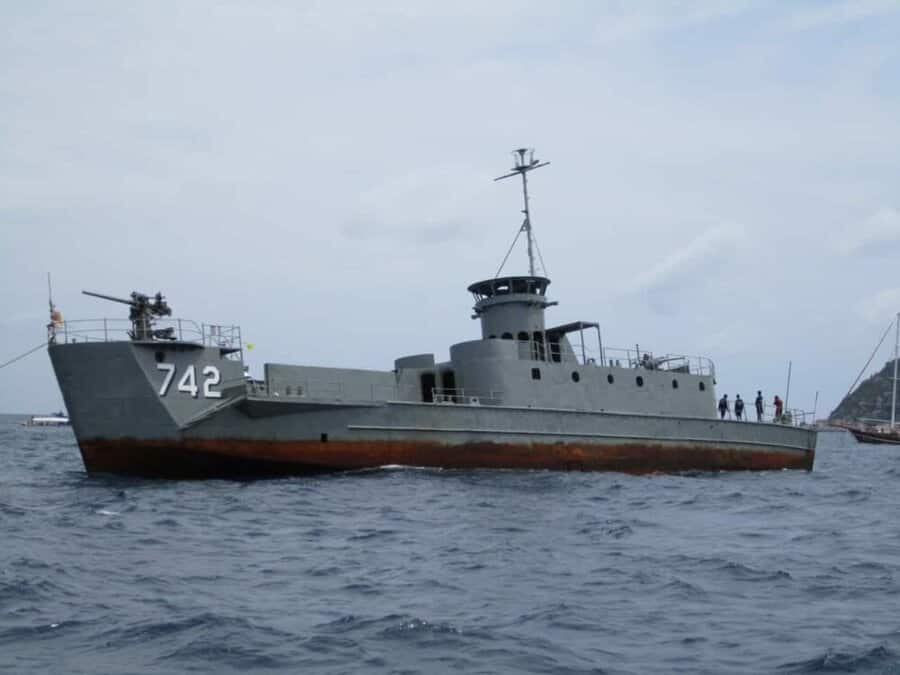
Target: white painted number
(188, 381)
(212, 377)
(170, 373)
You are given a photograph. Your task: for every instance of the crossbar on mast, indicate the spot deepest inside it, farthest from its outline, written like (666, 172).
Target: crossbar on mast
(521, 168)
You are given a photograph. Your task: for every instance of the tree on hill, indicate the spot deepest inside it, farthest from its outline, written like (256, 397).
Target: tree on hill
(871, 399)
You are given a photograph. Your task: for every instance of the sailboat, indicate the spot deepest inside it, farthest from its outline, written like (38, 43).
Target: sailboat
(878, 431)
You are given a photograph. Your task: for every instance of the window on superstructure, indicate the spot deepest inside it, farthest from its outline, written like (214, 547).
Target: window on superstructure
(703, 386)
(507, 336)
(522, 336)
(535, 373)
(674, 384)
(610, 378)
(639, 381)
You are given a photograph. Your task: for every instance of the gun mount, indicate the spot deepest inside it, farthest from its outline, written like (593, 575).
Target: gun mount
(144, 310)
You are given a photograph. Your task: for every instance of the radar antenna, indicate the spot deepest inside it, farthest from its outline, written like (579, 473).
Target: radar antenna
(522, 166)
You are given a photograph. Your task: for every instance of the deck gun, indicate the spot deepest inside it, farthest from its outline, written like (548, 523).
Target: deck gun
(144, 310)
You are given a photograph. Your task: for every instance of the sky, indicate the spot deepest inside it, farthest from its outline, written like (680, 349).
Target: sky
(723, 179)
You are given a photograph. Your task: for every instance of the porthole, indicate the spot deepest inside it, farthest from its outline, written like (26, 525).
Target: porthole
(160, 357)
(575, 376)
(507, 336)
(639, 381)
(703, 386)
(535, 373)
(674, 384)
(610, 378)
(492, 337)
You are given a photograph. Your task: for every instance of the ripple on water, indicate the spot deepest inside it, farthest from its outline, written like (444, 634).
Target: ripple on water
(421, 571)
(878, 659)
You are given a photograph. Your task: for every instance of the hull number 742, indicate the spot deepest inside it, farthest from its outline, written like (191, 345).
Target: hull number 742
(188, 381)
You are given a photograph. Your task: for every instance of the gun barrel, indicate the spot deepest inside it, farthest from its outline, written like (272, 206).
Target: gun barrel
(109, 297)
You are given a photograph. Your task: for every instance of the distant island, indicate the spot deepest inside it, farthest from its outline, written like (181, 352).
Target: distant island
(870, 400)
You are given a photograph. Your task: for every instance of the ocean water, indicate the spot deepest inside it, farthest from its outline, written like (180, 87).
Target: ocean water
(422, 571)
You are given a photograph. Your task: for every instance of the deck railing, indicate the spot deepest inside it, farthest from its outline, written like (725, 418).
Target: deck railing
(119, 330)
(639, 358)
(677, 363)
(794, 417)
(466, 396)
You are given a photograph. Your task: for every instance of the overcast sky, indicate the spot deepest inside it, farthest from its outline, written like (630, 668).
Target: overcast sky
(724, 176)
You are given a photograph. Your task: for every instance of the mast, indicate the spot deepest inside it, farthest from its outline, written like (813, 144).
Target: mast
(55, 316)
(896, 347)
(522, 167)
(50, 295)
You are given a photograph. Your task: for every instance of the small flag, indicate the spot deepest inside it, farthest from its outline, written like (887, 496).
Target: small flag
(249, 346)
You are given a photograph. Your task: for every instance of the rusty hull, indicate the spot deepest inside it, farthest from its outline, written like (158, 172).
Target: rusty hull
(208, 458)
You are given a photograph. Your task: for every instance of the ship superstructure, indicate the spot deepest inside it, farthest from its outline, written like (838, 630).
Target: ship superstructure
(168, 397)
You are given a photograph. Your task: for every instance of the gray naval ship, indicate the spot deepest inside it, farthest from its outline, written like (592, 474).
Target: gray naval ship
(164, 397)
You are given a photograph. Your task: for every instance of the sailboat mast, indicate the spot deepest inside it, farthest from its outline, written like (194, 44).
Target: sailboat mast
(896, 348)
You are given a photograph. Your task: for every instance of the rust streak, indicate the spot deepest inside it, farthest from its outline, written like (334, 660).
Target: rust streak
(201, 458)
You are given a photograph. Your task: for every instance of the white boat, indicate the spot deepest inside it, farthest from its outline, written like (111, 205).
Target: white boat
(59, 419)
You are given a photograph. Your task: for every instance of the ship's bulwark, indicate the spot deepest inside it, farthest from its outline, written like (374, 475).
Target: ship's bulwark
(205, 458)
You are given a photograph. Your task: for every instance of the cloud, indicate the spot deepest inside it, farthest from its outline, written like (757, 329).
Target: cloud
(632, 22)
(880, 307)
(692, 260)
(690, 268)
(879, 234)
(416, 207)
(270, 146)
(825, 14)
(414, 233)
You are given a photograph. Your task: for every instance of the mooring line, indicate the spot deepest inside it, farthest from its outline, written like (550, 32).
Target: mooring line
(22, 356)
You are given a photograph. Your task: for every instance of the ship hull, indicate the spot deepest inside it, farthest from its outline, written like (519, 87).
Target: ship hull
(222, 458)
(127, 422)
(875, 438)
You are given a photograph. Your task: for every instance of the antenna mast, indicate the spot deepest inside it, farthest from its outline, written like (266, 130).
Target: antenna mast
(522, 167)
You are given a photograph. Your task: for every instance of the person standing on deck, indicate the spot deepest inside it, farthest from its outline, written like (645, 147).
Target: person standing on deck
(723, 406)
(759, 406)
(779, 408)
(739, 408)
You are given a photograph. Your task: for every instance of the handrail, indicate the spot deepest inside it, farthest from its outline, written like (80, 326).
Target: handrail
(617, 357)
(794, 417)
(121, 330)
(466, 397)
(643, 358)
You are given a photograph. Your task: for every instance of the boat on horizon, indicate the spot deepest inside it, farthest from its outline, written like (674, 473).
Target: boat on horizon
(162, 397)
(875, 431)
(57, 419)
